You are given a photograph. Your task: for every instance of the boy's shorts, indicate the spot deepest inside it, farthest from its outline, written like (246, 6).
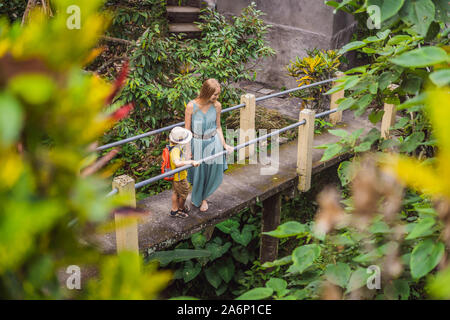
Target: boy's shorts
(181, 188)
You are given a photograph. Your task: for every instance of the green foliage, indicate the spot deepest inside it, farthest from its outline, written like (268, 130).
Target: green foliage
(256, 294)
(317, 66)
(165, 70)
(341, 259)
(410, 51)
(168, 72)
(292, 228)
(401, 53)
(348, 142)
(338, 274)
(425, 257)
(130, 22)
(321, 125)
(13, 9)
(422, 57)
(53, 112)
(218, 262)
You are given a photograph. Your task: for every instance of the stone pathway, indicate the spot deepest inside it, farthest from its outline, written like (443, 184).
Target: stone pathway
(286, 105)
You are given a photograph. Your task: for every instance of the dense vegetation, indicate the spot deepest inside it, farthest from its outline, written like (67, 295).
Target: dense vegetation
(166, 73)
(52, 112)
(391, 212)
(400, 232)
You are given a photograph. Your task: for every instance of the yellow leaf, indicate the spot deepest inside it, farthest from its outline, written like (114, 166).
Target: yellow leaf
(11, 167)
(4, 46)
(92, 55)
(415, 174)
(438, 106)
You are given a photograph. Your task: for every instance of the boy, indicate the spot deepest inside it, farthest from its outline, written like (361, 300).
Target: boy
(178, 138)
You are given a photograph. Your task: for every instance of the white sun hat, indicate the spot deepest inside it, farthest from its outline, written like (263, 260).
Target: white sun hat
(180, 135)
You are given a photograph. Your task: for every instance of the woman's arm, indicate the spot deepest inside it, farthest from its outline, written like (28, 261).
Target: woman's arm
(188, 115)
(218, 106)
(187, 124)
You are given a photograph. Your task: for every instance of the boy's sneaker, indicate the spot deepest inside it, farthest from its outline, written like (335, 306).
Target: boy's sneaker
(186, 209)
(178, 214)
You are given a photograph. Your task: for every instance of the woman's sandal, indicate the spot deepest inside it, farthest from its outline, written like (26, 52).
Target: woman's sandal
(178, 214)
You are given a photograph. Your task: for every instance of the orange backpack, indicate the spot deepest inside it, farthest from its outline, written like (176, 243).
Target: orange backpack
(165, 166)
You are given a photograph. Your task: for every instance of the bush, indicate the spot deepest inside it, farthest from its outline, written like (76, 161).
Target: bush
(52, 112)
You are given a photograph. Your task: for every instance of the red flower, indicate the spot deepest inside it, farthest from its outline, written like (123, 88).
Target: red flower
(120, 81)
(122, 112)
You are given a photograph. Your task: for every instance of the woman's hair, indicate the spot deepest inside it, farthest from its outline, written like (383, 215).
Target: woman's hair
(208, 88)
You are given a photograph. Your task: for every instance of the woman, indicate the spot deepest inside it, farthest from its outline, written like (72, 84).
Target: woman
(202, 117)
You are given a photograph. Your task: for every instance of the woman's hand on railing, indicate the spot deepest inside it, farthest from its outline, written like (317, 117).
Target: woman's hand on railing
(195, 163)
(229, 149)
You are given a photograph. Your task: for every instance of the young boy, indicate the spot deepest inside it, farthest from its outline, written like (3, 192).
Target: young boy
(178, 138)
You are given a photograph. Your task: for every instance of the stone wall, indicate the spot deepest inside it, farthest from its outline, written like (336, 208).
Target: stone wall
(297, 25)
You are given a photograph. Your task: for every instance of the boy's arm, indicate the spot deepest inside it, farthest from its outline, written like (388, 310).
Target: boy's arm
(180, 163)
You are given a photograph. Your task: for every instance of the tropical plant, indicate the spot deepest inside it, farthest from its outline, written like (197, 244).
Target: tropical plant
(431, 177)
(403, 232)
(219, 261)
(318, 65)
(349, 142)
(403, 57)
(13, 9)
(51, 198)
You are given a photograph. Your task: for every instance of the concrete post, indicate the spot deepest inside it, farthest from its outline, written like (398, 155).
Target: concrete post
(247, 126)
(126, 226)
(304, 149)
(337, 116)
(390, 111)
(270, 221)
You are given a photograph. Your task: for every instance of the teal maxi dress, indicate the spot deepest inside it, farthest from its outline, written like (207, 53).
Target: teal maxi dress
(207, 177)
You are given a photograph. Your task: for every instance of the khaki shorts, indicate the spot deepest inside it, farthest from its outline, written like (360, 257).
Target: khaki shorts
(181, 188)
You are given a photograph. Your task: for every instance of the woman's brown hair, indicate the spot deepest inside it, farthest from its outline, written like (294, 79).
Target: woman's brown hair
(208, 88)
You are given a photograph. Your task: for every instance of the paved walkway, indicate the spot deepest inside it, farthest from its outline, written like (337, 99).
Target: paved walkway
(286, 105)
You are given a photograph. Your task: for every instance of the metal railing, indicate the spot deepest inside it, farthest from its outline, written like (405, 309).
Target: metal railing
(236, 148)
(153, 132)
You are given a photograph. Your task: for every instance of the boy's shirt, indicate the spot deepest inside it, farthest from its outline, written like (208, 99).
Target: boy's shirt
(177, 154)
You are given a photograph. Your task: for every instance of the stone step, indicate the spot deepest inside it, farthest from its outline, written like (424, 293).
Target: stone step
(177, 14)
(191, 3)
(191, 30)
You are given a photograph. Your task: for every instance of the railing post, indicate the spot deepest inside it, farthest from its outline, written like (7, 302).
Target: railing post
(247, 126)
(337, 116)
(126, 226)
(304, 149)
(390, 111)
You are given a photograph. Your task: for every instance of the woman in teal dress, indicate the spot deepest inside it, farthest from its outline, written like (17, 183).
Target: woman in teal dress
(202, 117)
